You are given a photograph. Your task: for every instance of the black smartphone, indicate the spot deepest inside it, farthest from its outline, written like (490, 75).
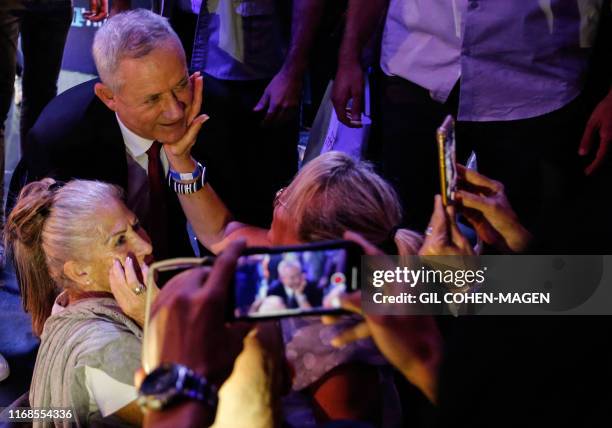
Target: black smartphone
(445, 136)
(276, 282)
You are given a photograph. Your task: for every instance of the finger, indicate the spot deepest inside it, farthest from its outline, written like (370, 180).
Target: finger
(144, 269)
(196, 103)
(339, 101)
(351, 302)
(189, 139)
(602, 152)
(456, 236)
(262, 103)
(587, 137)
(130, 272)
(368, 248)
(477, 179)
(271, 116)
(139, 376)
(117, 271)
(360, 331)
(475, 202)
(95, 17)
(117, 281)
(355, 121)
(330, 319)
(103, 11)
(438, 218)
(93, 7)
(217, 284)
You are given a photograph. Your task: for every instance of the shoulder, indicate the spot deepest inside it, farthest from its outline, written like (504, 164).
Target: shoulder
(276, 287)
(76, 135)
(67, 111)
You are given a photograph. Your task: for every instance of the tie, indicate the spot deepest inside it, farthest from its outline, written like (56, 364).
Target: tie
(158, 220)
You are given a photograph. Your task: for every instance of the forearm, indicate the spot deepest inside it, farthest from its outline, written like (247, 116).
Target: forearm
(306, 17)
(362, 20)
(204, 210)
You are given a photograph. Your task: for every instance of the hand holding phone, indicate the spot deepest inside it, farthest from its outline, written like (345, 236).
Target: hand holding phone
(287, 281)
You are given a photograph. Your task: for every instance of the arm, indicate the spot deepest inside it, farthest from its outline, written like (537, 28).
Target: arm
(362, 19)
(598, 133)
(413, 344)
(197, 298)
(281, 97)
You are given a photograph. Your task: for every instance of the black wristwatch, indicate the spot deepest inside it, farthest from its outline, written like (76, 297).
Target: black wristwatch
(171, 383)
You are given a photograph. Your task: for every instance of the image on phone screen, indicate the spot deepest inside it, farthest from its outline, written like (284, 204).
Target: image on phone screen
(291, 282)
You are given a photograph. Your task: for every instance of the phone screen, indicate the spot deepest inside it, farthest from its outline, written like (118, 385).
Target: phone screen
(447, 159)
(290, 282)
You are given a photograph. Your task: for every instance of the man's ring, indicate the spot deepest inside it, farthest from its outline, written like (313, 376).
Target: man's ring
(139, 289)
(429, 231)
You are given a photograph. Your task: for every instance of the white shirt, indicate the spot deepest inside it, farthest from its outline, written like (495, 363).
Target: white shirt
(137, 197)
(516, 59)
(137, 146)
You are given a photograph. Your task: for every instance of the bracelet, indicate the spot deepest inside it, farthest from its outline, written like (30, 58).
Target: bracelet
(183, 188)
(186, 176)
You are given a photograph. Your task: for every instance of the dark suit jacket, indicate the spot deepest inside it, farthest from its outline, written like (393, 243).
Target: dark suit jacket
(77, 136)
(312, 292)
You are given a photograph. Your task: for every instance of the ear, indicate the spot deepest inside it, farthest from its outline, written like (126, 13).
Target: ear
(106, 95)
(78, 273)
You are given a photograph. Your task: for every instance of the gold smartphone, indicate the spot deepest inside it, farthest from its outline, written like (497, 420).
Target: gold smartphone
(445, 136)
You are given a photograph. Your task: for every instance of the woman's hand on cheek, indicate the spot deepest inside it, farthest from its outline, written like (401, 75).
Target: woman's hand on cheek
(128, 290)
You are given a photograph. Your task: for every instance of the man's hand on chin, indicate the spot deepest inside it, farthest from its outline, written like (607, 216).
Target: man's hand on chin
(179, 153)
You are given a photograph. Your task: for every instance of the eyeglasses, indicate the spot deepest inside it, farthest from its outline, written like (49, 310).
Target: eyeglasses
(158, 271)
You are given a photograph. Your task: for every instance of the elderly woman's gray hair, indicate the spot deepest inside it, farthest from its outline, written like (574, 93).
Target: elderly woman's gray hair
(131, 34)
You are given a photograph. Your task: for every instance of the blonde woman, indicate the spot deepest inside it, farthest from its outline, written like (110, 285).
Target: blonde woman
(331, 194)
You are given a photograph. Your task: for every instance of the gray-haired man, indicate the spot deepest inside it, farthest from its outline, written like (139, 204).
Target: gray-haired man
(114, 129)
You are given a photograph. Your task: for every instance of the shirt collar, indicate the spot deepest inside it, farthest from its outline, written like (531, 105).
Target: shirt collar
(288, 291)
(135, 144)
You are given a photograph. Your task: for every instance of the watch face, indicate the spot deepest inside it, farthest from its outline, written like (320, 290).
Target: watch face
(160, 381)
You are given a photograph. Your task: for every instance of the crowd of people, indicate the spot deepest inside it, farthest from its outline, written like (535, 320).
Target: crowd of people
(158, 158)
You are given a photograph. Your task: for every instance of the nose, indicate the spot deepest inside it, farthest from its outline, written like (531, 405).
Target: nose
(174, 109)
(142, 244)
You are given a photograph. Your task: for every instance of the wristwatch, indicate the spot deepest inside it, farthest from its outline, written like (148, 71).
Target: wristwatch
(171, 383)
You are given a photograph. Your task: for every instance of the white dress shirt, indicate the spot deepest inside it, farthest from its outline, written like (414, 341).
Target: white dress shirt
(138, 182)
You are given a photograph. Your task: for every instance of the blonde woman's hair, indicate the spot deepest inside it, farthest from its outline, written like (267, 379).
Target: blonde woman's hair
(334, 193)
(51, 224)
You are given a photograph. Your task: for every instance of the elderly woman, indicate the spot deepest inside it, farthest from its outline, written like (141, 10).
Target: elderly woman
(77, 251)
(331, 194)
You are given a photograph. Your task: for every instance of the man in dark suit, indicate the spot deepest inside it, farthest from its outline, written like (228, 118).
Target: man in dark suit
(293, 288)
(114, 129)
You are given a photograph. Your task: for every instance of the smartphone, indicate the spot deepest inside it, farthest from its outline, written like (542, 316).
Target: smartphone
(445, 136)
(300, 280)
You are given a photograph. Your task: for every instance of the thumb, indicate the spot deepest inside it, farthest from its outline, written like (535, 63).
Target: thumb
(262, 103)
(352, 334)
(139, 376)
(351, 302)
